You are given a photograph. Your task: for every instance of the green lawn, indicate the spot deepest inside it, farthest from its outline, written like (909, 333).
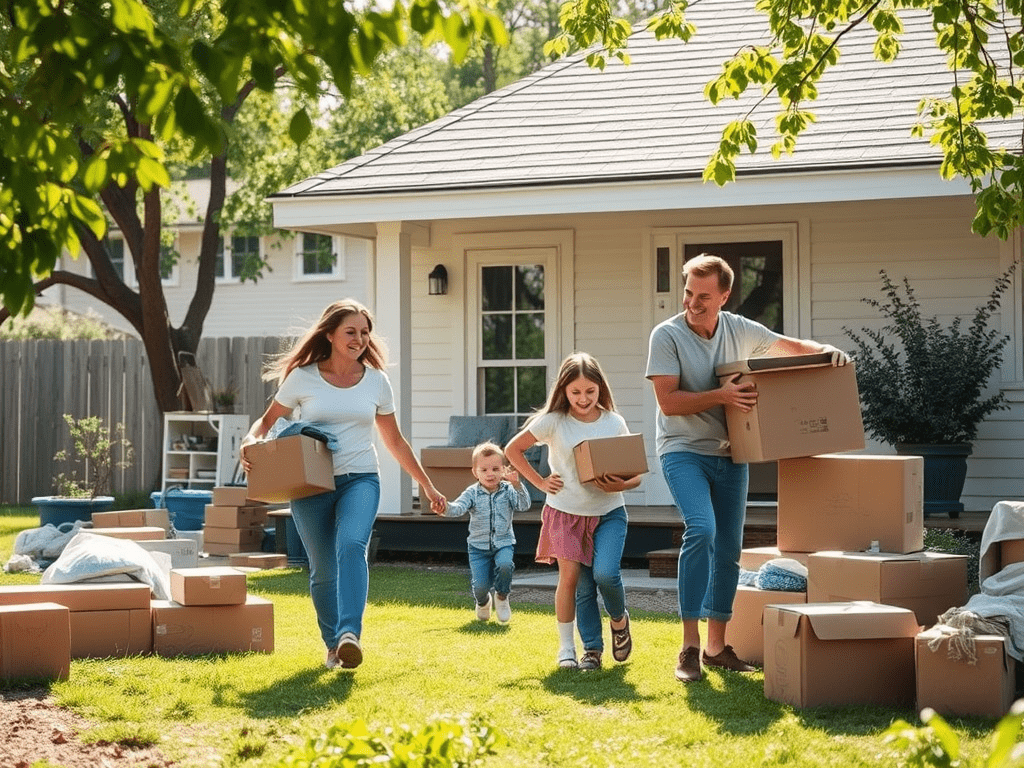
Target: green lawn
(426, 655)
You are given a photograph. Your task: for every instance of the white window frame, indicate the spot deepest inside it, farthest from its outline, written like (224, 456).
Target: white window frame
(227, 251)
(130, 278)
(338, 245)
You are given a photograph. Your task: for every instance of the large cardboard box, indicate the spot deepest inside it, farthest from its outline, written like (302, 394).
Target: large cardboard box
(249, 538)
(753, 558)
(805, 406)
(208, 586)
(35, 642)
(263, 560)
(622, 455)
(927, 583)
(105, 634)
(745, 631)
(838, 654)
(137, 533)
(232, 496)
(289, 468)
(254, 516)
(449, 469)
(184, 552)
(182, 630)
(846, 502)
(80, 597)
(953, 685)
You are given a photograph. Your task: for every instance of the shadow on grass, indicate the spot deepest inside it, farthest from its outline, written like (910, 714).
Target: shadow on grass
(477, 627)
(312, 688)
(598, 686)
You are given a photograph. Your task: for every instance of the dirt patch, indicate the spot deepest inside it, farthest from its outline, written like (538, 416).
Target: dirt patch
(33, 728)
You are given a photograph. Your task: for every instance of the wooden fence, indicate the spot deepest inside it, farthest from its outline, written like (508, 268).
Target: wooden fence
(42, 380)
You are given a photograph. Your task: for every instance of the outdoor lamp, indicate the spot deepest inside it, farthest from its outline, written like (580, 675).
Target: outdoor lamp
(438, 281)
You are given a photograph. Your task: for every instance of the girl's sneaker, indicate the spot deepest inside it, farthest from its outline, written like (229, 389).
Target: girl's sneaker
(502, 609)
(483, 612)
(567, 658)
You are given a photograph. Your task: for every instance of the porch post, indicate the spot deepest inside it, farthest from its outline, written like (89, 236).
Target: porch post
(391, 297)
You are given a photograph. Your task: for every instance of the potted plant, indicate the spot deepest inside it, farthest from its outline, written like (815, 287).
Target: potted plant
(924, 385)
(90, 463)
(224, 400)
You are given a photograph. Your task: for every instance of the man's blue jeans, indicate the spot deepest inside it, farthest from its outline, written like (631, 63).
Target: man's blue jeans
(711, 494)
(335, 528)
(604, 576)
(491, 569)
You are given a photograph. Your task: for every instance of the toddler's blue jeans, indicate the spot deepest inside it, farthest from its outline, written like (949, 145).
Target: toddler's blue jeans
(491, 569)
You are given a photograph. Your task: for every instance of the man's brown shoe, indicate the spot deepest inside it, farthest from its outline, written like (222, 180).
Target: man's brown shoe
(688, 668)
(727, 659)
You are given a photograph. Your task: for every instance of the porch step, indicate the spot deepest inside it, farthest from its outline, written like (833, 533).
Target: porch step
(663, 563)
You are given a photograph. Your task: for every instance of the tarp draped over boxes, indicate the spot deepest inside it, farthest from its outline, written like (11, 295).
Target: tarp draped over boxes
(90, 556)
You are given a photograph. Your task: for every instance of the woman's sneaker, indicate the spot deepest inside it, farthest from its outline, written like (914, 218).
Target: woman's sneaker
(502, 609)
(483, 612)
(350, 653)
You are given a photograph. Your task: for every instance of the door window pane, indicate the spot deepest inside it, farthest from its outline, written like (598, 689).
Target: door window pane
(757, 286)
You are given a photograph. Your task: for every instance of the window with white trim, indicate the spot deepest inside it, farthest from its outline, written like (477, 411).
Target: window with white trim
(121, 260)
(233, 253)
(319, 257)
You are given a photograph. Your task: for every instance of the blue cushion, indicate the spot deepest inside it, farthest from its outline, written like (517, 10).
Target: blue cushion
(469, 431)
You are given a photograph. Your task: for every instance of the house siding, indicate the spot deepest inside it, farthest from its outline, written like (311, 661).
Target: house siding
(929, 241)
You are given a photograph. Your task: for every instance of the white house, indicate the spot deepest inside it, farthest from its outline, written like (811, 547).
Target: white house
(296, 285)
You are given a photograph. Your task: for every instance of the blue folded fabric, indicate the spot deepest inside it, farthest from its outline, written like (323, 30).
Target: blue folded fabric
(772, 576)
(285, 428)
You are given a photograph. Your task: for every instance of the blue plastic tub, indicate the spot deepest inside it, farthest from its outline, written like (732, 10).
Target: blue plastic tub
(186, 508)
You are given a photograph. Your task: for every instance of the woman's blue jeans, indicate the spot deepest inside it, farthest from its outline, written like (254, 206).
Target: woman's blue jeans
(711, 494)
(604, 576)
(491, 569)
(335, 528)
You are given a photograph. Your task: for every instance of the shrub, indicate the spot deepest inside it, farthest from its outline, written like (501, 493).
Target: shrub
(929, 388)
(953, 542)
(56, 323)
(935, 744)
(91, 459)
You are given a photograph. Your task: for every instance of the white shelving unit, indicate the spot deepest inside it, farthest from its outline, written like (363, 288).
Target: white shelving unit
(201, 449)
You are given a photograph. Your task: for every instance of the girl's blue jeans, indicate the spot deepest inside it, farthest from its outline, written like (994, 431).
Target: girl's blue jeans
(335, 528)
(491, 569)
(604, 576)
(711, 495)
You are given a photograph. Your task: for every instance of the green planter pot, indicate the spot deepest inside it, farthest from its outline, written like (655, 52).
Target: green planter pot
(56, 509)
(945, 471)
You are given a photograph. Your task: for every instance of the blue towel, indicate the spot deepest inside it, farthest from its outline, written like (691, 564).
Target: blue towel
(285, 428)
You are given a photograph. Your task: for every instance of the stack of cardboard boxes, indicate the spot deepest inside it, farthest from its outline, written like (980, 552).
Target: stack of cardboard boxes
(149, 529)
(234, 522)
(857, 523)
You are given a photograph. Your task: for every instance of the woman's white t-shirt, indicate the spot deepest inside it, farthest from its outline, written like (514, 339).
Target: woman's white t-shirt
(562, 432)
(348, 413)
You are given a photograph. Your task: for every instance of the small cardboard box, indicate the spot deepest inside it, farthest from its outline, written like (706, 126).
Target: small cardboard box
(262, 560)
(753, 558)
(208, 586)
(235, 517)
(1010, 551)
(184, 552)
(745, 631)
(181, 630)
(35, 642)
(139, 533)
(838, 654)
(449, 469)
(80, 597)
(953, 685)
(289, 468)
(250, 538)
(804, 407)
(105, 634)
(220, 548)
(927, 583)
(621, 455)
(132, 518)
(232, 496)
(836, 502)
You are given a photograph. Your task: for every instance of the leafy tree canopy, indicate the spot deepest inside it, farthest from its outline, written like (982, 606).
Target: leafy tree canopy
(983, 41)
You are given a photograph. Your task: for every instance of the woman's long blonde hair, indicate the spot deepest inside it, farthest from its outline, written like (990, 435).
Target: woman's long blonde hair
(575, 365)
(314, 346)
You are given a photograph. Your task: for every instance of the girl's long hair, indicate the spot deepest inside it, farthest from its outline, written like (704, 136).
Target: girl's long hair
(575, 365)
(314, 346)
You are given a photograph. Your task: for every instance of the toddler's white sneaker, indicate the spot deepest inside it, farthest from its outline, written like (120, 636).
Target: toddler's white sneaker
(483, 612)
(502, 609)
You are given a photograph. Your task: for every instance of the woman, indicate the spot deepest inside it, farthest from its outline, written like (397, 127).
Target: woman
(333, 378)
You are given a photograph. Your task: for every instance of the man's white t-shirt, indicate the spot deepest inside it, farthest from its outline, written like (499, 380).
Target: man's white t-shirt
(562, 432)
(675, 350)
(348, 413)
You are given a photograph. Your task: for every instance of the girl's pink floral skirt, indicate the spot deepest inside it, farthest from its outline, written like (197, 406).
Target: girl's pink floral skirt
(566, 537)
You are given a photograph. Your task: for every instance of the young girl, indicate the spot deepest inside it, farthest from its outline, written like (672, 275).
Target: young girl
(583, 527)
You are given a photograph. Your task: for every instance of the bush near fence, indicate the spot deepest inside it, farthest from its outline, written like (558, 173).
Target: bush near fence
(42, 379)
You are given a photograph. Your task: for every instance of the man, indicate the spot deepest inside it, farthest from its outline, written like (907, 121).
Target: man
(693, 445)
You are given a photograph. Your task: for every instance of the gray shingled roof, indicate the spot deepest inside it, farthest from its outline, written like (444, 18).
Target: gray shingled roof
(569, 123)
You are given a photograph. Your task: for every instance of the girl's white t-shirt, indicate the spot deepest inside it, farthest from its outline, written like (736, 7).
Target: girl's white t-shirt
(348, 413)
(562, 432)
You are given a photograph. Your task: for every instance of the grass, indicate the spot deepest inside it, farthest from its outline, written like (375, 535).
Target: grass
(426, 655)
